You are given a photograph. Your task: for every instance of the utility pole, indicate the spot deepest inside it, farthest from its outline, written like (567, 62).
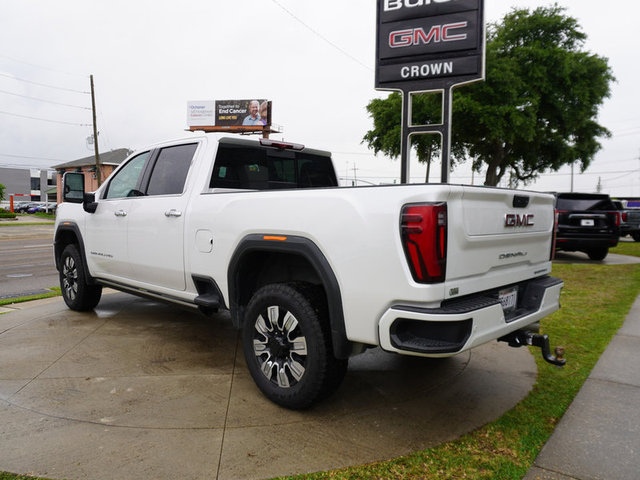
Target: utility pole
(95, 134)
(572, 163)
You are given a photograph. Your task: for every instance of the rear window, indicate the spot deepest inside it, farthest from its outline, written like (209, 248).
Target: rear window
(585, 203)
(259, 168)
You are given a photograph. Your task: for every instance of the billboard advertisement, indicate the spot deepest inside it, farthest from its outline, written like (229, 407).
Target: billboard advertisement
(200, 113)
(242, 112)
(425, 44)
(229, 113)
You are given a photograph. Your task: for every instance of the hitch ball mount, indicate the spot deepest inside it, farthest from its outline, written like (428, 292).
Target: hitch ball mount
(523, 337)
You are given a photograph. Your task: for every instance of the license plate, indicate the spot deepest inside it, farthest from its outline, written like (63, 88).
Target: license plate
(508, 298)
(587, 222)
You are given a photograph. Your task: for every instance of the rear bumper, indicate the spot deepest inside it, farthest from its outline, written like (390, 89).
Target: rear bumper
(628, 228)
(465, 323)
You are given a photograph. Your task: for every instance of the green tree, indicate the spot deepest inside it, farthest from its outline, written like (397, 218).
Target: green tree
(537, 109)
(2, 187)
(387, 129)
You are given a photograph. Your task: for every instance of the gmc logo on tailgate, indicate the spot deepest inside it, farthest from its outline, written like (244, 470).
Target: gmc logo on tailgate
(518, 220)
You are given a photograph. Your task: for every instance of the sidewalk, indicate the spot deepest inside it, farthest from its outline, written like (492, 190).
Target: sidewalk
(599, 435)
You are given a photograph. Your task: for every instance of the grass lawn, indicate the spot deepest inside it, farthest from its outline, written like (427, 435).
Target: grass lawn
(55, 291)
(505, 449)
(627, 248)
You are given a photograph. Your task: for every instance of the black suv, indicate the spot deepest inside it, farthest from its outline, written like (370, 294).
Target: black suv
(587, 222)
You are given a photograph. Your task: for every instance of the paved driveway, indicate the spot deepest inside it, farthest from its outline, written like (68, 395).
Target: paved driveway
(142, 390)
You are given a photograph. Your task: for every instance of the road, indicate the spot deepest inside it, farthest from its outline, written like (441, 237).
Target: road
(26, 260)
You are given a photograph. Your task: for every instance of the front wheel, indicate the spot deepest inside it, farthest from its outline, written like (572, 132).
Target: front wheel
(77, 293)
(287, 346)
(636, 236)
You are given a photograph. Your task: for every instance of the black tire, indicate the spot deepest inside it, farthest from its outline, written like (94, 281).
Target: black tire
(77, 293)
(636, 236)
(598, 253)
(287, 345)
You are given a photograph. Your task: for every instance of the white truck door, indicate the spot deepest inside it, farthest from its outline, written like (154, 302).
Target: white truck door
(106, 229)
(156, 221)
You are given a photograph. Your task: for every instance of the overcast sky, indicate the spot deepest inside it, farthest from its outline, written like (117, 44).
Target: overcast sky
(313, 59)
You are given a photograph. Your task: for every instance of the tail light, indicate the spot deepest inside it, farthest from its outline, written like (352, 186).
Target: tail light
(624, 216)
(423, 228)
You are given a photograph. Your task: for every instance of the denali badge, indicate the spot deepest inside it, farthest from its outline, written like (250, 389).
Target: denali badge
(518, 220)
(505, 256)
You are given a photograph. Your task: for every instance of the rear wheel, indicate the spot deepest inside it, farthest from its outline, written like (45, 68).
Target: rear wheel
(77, 293)
(598, 253)
(287, 346)
(636, 236)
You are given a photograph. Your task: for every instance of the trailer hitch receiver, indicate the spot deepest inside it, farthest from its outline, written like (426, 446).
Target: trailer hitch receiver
(523, 337)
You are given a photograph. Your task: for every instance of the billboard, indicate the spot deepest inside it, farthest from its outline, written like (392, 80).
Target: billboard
(229, 113)
(200, 113)
(425, 44)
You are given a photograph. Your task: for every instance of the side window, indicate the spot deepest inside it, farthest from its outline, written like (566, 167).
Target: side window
(170, 170)
(240, 167)
(125, 182)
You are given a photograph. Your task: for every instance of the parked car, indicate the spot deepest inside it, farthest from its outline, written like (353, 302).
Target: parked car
(22, 207)
(41, 207)
(35, 208)
(587, 222)
(629, 219)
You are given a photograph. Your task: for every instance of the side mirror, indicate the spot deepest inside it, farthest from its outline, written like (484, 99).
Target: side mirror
(73, 187)
(73, 192)
(89, 202)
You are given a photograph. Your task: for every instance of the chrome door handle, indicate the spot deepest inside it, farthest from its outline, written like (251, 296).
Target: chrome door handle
(173, 213)
(120, 213)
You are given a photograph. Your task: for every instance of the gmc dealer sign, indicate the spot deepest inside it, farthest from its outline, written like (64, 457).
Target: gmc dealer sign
(425, 44)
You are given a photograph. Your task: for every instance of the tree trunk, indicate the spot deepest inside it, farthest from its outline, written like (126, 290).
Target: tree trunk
(429, 153)
(495, 167)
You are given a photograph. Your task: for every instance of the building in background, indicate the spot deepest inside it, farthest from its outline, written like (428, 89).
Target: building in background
(109, 161)
(28, 184)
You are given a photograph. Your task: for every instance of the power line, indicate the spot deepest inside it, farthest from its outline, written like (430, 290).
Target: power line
(41, 67)
(627, 134)
(24, 167)
(319, 35)
(43, 100)
(42, 84)
(31, 158)
(47, 120)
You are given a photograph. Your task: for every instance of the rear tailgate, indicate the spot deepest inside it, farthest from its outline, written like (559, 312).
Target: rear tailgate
(504, 237)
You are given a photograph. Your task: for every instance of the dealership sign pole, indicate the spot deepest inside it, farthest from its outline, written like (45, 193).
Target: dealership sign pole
(428, 46)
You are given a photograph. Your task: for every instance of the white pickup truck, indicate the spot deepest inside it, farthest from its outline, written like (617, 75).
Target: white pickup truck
(313, 273)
